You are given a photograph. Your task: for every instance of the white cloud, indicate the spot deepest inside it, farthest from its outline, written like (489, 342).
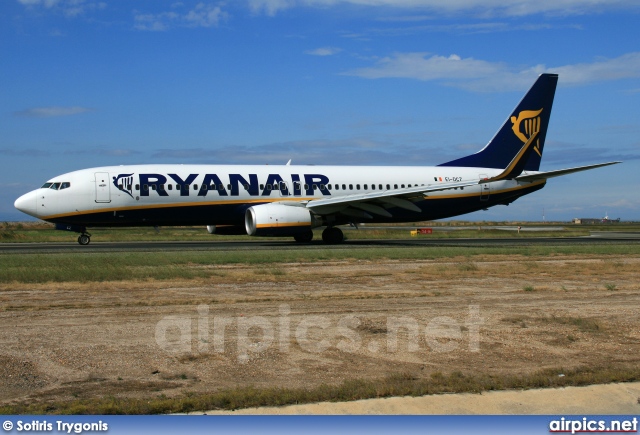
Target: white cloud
(480, 7)
(202, 15)
(479, 75)
(52, 112)
(324, 51)
(70, 8)
(419, 66)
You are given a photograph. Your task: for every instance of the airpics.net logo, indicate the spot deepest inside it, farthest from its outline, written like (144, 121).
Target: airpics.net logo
(205, 332)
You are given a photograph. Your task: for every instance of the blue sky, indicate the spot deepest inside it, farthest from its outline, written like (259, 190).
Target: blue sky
(406, 82)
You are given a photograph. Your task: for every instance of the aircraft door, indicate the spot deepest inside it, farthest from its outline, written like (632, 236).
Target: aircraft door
(103, 193)
(485, 188)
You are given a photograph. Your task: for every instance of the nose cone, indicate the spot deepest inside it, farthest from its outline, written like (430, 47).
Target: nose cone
(27, 203)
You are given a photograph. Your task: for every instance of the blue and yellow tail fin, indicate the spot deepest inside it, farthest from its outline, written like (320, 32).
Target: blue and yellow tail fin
(519, 143)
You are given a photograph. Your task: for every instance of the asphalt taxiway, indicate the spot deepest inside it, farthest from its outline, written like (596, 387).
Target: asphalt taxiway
(284, 244)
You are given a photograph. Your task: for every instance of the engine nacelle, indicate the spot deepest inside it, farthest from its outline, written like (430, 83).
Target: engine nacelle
(278, 219)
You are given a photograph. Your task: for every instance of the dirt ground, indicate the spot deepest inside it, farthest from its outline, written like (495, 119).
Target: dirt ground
(302, 325)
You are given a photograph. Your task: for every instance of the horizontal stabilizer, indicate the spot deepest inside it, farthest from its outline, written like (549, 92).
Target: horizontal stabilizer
(559, 172)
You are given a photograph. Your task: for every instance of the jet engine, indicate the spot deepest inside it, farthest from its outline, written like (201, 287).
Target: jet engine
(277, 219)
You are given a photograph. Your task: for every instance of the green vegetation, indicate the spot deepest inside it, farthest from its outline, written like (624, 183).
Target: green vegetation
(126, 266)
(402, 384)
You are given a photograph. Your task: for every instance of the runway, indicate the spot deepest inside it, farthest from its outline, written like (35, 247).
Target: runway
(285, 244)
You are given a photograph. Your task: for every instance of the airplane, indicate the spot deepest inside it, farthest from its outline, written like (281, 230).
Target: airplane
(291, 200)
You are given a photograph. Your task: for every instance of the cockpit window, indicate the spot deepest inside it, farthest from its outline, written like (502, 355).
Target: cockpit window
(46, 185)
(65, 185)
(55, 186)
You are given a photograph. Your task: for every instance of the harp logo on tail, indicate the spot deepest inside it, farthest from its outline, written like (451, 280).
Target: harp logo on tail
(526, 125)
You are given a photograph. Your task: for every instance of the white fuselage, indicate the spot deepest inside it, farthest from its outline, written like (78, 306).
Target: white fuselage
(219, 194)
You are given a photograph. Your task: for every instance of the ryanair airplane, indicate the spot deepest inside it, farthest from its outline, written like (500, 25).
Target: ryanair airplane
(293, 200)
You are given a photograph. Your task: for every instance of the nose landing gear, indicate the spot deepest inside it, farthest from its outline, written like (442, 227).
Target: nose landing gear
(84, 239)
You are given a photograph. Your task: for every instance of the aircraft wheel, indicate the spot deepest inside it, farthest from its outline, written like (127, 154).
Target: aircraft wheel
(84, 239)
(304, 237)
(332, 236)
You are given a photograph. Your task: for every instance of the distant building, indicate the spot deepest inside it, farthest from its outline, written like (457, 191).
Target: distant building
(595, 221)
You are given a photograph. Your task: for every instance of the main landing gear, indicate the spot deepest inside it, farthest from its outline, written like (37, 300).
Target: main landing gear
(332, 236)
(304, 237)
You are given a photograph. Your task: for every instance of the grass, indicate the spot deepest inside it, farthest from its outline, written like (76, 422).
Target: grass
(400, 384)
(124, 266)
(583, 324)
(127, 266)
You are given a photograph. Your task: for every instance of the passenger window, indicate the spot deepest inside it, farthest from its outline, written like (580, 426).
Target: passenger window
(65, 185)
(153, 187)
(205, 187)
(395, 186)
(228, 186)
(373, 187)
(337, 187)
(161, 187)
(145, 187)
(365, 187)
(268, 186)
(262, 187)
(137, 187)
(246, 187)
(357, 186)
(322, 187)
(306, 187)
(170, 186)
(328, 186)
(344, 187)
(195, 187)
(388, 187)
(402, 185)
(350, 186)
(315, 187)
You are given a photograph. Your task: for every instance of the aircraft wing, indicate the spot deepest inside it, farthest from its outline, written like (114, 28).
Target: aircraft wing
(559, 172)
(373, 202)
